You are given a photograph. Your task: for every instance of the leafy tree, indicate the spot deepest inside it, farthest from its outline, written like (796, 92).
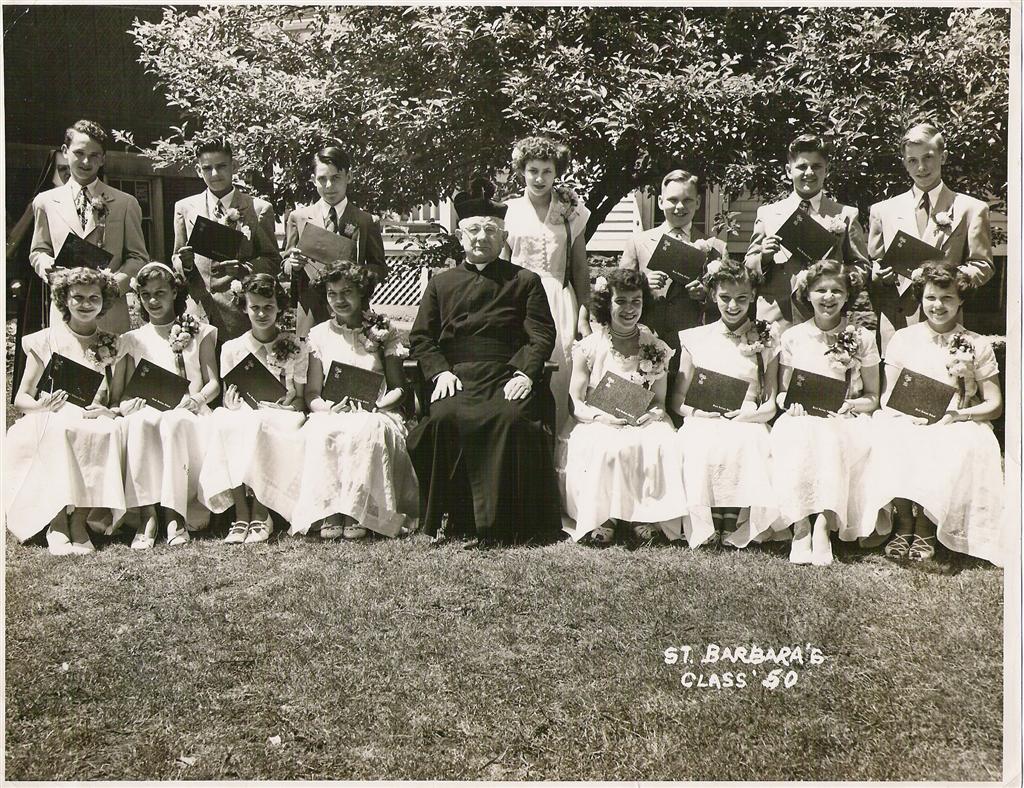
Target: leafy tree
(424, 96)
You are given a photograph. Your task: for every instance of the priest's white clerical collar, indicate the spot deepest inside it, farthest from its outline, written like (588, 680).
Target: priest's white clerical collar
(478, 266)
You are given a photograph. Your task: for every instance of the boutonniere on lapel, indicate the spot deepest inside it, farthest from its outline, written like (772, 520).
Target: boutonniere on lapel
(944, 220)
(100, 211)
(834, 224)
(349, 230)
(234, 219)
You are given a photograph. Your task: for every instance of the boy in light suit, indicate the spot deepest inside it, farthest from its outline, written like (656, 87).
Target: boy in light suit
(335, 212)
(209, 283)
(90, 209)
(958, 225)
(674, 306)
(807, 167)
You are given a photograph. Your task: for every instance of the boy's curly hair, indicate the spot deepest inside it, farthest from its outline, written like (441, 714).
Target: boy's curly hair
(621, 279)
(851, 278)
(64, 279)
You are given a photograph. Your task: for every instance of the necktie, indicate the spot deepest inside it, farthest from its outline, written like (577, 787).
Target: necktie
(923, 212)
(805, 206)
(83, 205)
(218, 210)
(332, 219)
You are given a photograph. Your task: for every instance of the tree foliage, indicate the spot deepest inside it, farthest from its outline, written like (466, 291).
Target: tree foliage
(423, 96)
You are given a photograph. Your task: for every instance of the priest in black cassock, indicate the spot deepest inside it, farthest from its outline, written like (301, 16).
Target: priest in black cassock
(482, 335)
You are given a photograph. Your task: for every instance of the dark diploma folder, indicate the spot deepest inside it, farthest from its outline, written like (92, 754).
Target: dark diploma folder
(682, 261)
(820, 395)
(619, 397)
(161, 388)
(805, 238)
(215, 240)
(323, 246)
(906, 253)
(714, 392)
(62, 374)
(356, 383)
(255, 383)
(919, 395)
(76, 252)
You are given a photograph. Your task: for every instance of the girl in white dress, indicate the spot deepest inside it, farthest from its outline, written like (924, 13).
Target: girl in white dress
(818, 463)
(546, 235)
(726, 457)
(164, 450)
(356, 473)
(945, 480)
(254, 453)
(614, 471)
(59, 455)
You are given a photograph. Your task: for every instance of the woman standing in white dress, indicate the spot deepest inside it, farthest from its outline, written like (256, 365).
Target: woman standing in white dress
(615, 471)
(944, 480)
(253, 453)
(59, 455)
(726, 457)
(546, 235)
(818, 463)
(164, 450)
(356, 475)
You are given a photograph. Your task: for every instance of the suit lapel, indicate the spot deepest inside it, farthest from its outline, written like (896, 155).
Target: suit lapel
(351, 216)
(905, 218)
(934, 234)
(65, 202)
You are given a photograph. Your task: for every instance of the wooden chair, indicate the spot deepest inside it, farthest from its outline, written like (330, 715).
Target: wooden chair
(418, 391)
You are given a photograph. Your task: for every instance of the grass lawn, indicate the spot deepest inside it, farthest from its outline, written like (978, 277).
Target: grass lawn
(297, 659)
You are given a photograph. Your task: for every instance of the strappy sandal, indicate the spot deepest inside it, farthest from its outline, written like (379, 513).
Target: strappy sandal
(237, 532)
(898, 547)
(601, 536)
(354, 532)
(646, 533)
(331, 530)
(259, 531)
(176, 537)
(922, 549)
(143, 542)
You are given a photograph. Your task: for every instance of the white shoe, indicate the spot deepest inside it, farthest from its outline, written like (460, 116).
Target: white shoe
(81, 548)
(821, 546)
(177, 536)
(800, 551)
(259, 531)
(143, 542)
(58, 543)
(237, 533)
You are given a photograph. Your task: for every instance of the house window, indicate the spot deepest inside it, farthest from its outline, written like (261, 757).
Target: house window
(141, 190)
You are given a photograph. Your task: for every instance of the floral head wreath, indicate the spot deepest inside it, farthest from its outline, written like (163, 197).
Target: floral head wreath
(713, 268)
(800, 280)
(134, 282)
(600, 284)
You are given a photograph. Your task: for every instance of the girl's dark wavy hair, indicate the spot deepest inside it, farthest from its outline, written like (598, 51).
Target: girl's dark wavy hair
(364, 279)
(734, 273)
(262, 285)
(942, 274)
(64, 280)
(175, 280)
(540, 149)
(621, 279)
(851, 278)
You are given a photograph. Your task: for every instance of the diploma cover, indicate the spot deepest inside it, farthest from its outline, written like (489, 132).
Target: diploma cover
(62, 374)
(76, 252)
(356, 383)
(919, 395)
(215, 240)
(619, 397)
(805, 238)
(161, 388)
(682, 261)
(714, 392)
(906, 253)
(820, 395)
(255, 383)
